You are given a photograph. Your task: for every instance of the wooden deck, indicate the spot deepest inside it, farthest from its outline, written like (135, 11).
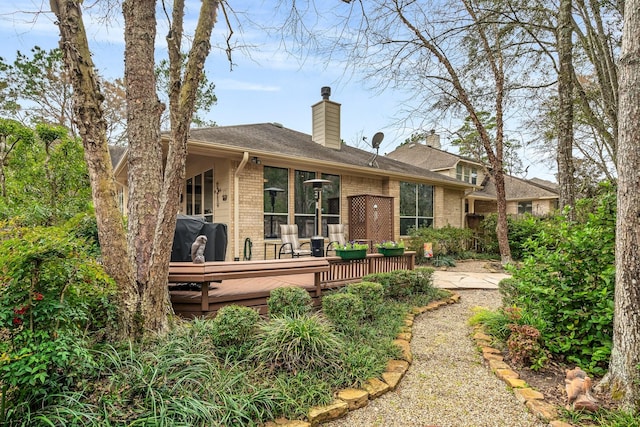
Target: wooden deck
(254, 291)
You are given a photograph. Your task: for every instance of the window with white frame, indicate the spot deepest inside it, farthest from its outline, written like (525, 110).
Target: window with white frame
(198, 195)
(467, 174)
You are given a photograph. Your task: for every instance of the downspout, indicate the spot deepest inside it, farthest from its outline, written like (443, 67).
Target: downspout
(236, 207)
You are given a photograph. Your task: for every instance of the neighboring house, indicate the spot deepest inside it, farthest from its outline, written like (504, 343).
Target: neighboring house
(251, 177)
(535, 196)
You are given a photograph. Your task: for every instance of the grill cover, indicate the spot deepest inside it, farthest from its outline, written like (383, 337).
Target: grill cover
(190, 227)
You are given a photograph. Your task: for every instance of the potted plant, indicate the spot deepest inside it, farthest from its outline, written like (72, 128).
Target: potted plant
(391, 248)
(352, 250)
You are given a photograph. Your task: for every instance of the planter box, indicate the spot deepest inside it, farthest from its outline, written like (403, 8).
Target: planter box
(391, 251)
(351, 253)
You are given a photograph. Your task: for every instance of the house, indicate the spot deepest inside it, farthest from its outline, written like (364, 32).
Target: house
(252, 178)
(535, 196)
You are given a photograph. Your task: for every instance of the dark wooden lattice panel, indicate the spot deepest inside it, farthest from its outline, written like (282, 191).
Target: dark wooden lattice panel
(371, 218)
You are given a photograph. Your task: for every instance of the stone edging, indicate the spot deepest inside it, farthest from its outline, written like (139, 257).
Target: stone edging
(532, 399)
(351, 399)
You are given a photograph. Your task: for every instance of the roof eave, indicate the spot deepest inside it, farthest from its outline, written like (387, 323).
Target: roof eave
(203, 147)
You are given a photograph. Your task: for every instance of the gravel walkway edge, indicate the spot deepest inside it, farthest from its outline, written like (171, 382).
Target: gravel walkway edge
(448, 383)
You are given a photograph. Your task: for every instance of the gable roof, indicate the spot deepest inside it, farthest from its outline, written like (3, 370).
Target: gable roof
(271, 139)
(435, 159)
(116, 153)
(515, 189)
(428, 157)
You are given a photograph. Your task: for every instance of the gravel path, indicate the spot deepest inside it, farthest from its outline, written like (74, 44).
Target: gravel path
(447, 384)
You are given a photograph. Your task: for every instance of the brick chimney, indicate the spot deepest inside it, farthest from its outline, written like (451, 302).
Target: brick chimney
(326, 121)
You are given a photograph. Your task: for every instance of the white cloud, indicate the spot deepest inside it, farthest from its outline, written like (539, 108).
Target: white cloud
(230, 84)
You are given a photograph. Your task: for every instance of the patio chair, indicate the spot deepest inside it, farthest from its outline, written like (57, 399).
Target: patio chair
(290, 243)
(336, 236)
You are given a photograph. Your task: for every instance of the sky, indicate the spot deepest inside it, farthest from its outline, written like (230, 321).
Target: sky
(266, 84)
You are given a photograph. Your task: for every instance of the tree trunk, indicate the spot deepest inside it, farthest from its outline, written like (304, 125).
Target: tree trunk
(183, 94)
(565, 109)
(623, 378)
(144, 156)
(92, 128)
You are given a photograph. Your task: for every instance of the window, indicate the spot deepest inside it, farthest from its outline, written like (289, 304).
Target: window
(276, 200)
(467, 174)
(416, 206)
(525, 207)
(305, 203)
(198, 195)
(330, 202)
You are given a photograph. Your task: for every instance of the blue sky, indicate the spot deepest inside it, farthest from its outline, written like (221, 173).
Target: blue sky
(265, 85)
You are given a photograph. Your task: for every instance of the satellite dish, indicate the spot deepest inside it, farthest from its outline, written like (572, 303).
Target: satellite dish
(377, 139)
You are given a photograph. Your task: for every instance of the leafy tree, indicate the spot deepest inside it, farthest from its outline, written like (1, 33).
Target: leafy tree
(12, 134)
(44, 173)
(469, 144)
(37, 89)
(205, 100)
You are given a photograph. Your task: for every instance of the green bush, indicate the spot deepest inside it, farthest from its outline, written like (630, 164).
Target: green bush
(519, 230)
(447, 240)
(568, 281)
(401, 284)
(395, 284)
(371, 294)
(443, 261)
(234, 325)
(508, 288)
(345, 310)
(55, 301)
(289, 301)
(298, 343)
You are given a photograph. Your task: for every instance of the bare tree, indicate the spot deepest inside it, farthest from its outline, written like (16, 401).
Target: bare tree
(449, 56)
(623, 378)
(139, 259)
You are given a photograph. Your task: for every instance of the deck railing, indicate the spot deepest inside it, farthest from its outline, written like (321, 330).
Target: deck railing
(342, 271)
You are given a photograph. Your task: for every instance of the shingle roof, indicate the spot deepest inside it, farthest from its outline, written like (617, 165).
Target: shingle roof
(427, 157)
(435, 159)
(116, 152)
(516, 189)
(275, 139)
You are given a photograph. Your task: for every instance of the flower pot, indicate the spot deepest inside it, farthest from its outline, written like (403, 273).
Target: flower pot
(391, 251)
(351, 253)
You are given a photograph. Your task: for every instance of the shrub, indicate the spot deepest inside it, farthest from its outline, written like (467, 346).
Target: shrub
(371, 295)
(394, 285)
(508, 288)
(525, 347)
(401, 284)
(289, 301)
(234, 325)
(447, 240)
(345, 310)
(519, 229)
(296, 343)
(443, 261)
(496, 323)
(55, 300)
(568, 280)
